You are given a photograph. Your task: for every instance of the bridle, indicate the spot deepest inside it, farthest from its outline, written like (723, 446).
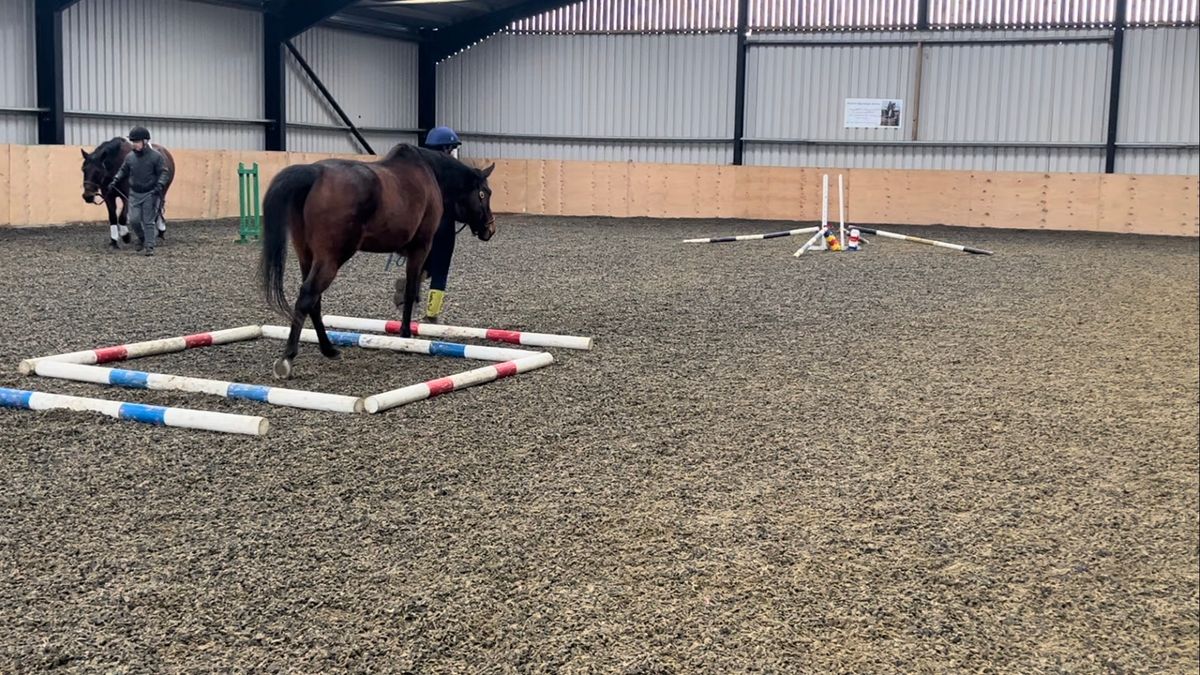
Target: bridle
(88, 185)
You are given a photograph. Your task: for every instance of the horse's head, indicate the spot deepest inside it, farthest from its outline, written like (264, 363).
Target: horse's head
(474, 207)
(96, 175)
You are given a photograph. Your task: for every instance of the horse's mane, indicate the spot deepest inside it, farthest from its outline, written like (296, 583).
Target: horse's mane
(454, 177)
(108, 151)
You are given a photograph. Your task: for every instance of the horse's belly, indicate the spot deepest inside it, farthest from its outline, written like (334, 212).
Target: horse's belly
(372, 243)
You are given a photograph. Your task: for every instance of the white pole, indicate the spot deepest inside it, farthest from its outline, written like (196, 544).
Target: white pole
(747, 237)
(135, 412)
(922, 240)
(133, 379)
(148, 348)
(842, 209)
(470, 378)
(408, 345)
(463, 332)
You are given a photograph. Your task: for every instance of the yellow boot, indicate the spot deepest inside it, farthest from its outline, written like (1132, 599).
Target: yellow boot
(434, 307)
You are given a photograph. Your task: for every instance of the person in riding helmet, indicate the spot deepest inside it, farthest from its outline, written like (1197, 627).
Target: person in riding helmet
(148, 179)
(437, 265)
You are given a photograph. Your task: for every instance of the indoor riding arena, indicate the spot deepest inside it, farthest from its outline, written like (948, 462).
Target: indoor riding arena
(744, 336)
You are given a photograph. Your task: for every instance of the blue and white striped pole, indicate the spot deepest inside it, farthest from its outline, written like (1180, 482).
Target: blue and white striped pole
(135, 412)
(438, 330)
(397, 344)
(136, 379)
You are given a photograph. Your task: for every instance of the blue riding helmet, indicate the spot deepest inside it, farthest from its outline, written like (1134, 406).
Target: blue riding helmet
(442, 137)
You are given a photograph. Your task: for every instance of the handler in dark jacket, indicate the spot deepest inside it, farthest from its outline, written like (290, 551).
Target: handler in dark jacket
(148, 178)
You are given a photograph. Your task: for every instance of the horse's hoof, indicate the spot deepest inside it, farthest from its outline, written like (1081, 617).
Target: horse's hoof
(334, 353)
(283, 369)
(126, 238)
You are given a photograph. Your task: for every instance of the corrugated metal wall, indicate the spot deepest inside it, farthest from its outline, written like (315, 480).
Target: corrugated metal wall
(1160, 101)
(17, 86)
(798, 92)
(374, 80)
(1011, 107)
(541, 95)
(131, 61)
(972, 98)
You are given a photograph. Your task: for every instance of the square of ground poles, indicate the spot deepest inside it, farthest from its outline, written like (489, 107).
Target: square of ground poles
(505, 362)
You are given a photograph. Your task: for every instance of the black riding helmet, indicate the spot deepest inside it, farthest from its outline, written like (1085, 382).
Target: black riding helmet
(139, 134)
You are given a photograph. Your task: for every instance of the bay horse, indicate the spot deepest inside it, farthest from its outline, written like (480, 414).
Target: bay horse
(101, 164)
(336, 207)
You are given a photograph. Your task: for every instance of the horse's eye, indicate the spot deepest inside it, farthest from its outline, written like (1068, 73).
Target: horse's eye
(482, 195)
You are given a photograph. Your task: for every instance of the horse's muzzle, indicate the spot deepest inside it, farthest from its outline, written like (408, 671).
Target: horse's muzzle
(93, 198)
(489, 230)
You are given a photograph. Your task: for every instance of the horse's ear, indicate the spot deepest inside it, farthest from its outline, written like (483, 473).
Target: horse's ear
(488, 171)
(83, 152)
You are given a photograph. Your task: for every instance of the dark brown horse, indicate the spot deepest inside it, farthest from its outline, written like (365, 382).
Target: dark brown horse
(101, 164)
(336, 207)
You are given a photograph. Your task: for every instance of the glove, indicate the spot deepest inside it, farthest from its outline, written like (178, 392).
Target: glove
(158, 190)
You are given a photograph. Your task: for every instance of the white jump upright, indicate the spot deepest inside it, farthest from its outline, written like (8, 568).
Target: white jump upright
(842, 210)
(147, 348)
(135, 412)
(470, 378)
(462, 332)
(135, 379)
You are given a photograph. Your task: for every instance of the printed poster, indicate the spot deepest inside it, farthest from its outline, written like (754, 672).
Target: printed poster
(874, 113)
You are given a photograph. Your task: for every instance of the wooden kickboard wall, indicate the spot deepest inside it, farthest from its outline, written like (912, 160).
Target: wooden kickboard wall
(42, 185)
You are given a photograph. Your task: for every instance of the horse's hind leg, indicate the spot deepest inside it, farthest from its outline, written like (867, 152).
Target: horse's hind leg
(327, 348)
(414, 263)
(315, 283)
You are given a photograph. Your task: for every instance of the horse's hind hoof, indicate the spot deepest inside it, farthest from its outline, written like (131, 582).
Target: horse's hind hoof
(126, 238)
(333, 354)
(283, 369)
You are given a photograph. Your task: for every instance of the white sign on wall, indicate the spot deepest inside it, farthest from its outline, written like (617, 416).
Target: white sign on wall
(874, 113)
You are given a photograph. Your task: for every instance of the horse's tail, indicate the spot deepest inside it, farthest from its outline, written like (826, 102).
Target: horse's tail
(283, 202)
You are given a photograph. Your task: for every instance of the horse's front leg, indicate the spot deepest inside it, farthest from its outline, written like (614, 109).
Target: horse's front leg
(113, 228)
(406, 299)
(123, 220)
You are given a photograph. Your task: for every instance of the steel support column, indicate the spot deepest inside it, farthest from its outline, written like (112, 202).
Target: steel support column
(274, 84)
(1114, 92)
(739, 92)
(51, 98)
(426, 90)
